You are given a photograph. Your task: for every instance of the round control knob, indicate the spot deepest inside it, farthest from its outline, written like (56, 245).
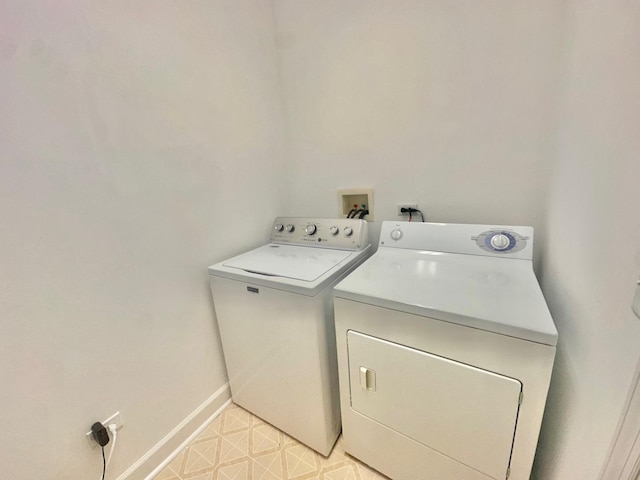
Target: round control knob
(290, 228)
(396, 234)
(500, 241)
(334, 230)
(311, 229)
(279, 227)
(347, 231)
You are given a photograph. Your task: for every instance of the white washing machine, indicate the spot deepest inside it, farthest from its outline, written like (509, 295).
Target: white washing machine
(274, 308)
(445, 351)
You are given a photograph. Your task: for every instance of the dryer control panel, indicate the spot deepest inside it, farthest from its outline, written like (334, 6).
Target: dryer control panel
(468, 239)
(501, 241)
(338, 233)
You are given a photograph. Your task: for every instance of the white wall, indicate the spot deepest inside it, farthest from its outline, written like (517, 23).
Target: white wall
(446, 104)
(134, 136)
(592, 259)
(478, 111)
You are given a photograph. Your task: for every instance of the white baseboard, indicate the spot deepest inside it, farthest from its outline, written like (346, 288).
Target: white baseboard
(161, 454)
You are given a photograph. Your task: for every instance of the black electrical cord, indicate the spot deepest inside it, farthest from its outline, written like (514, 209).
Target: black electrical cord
(421, 214)
(411, 211)
(104, 464)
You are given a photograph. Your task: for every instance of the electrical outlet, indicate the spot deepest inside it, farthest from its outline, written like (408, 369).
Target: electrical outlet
(115, 418)
(405, 205)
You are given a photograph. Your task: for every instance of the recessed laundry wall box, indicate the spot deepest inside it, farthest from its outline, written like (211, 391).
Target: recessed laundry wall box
(445, 351)
(358, 200)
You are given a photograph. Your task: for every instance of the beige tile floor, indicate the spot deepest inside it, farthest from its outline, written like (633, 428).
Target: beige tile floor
(239, 446)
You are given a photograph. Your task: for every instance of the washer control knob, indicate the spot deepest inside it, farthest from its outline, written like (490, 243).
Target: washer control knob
(311, 229)
(279, 227)
(290, 228)
(500, 241)
(334, 230)
(347, 231)
(396, 234)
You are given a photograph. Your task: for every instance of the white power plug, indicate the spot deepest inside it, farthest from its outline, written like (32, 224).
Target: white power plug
(113, 429)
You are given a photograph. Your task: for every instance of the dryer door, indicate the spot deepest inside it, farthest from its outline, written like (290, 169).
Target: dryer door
(461, 411)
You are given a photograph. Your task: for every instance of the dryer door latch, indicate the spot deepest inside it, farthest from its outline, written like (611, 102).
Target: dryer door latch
(368, 379)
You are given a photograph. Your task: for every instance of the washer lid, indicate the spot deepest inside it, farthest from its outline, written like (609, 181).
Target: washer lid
(289, 261)
(499, 295)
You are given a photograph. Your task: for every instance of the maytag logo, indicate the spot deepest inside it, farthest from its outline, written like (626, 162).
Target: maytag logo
(253, 290)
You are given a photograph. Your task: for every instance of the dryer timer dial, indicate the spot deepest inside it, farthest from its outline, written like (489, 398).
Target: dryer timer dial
(500, 241)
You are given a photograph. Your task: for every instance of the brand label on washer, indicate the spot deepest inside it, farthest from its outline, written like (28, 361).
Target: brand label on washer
(253, 290)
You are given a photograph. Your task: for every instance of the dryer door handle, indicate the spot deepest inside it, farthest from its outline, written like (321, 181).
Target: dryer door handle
(368, 379)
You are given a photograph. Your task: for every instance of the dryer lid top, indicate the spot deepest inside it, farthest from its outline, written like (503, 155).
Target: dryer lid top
(289, 261)
(493, 294)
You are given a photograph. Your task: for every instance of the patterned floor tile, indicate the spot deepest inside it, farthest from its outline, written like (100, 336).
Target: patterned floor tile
(264, 438)
(235, 419)
(300, 461)
(201, 455)
(268, 467)
(203, 476)
(234, 446)
(341, 472)
(240, 446)
(236, 471)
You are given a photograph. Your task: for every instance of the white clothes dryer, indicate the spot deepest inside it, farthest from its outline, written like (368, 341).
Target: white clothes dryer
(445, 352)
(274, 308)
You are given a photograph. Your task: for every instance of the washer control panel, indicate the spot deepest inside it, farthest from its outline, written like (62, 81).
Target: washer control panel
(501, 241)
(338, 233)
